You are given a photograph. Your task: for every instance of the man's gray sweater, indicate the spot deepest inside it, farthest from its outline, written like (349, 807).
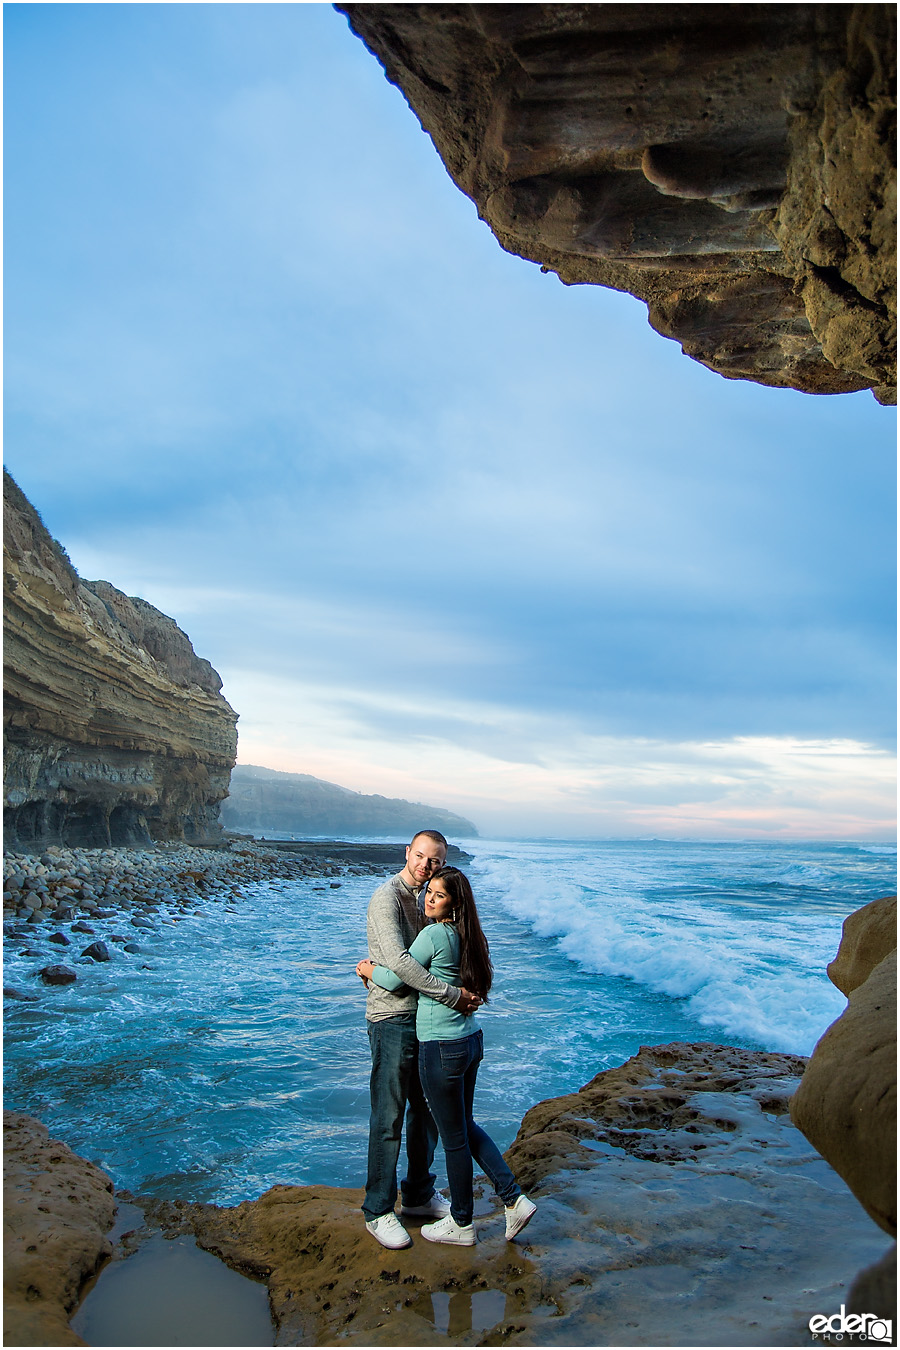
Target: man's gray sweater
(392, 923)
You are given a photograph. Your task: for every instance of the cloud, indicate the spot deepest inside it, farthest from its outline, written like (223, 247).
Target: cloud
(519, 774)
(266, 368)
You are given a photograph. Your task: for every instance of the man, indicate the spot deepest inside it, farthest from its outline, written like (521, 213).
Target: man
(393, 920)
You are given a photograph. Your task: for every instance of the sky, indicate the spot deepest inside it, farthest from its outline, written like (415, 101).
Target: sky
(448, 530)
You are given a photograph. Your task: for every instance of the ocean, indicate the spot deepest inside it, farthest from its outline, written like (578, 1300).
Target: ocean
(232, 1055)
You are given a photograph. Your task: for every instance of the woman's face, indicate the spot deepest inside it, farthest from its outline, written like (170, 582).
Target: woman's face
(438, 903)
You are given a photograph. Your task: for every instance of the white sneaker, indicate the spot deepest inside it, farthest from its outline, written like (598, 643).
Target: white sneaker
(448, 1230)
(518, 1215)
(389, 1231)
(435, 1208)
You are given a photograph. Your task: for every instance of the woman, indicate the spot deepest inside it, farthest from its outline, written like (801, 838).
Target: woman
(454, 948)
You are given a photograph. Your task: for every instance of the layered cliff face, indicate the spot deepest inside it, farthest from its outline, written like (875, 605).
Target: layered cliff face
(115, 732)
(731, 165)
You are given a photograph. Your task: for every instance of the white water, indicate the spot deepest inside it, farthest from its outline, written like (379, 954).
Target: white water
(231, 1054)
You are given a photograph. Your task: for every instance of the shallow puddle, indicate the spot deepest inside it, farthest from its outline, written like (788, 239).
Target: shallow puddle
(456, 1314)
(172, 1293)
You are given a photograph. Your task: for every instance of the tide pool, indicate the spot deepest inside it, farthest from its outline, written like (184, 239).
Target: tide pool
(231, 1054)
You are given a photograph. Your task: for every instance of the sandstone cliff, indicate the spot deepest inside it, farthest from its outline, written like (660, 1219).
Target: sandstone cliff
(731, 165)
(114, 730)
(296, 803)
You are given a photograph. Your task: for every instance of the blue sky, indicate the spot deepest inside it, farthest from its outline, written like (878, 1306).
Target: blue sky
(448, 529)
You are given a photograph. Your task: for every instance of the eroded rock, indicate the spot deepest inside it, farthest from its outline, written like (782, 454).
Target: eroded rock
(58, 975)
(58, 1209)
(115, 732)
(730, 165)
(97, 951)
(869, 935)
(673, 1193)
(846, 1104)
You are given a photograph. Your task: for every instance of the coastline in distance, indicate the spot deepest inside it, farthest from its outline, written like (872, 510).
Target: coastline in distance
(296, 803)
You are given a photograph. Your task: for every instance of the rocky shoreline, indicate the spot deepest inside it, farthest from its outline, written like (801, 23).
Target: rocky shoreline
(677, 1205)
(97, 902)
(678, 1201)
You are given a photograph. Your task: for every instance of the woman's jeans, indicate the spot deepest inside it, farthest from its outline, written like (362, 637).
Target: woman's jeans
(394, 1088)
(448, 1070)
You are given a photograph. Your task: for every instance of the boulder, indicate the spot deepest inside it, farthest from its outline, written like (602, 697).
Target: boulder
(869, 935)
(97, 951)
(846, 1104)
(58, 975)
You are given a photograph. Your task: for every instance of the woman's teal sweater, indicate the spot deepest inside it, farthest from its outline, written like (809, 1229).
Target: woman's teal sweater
(437, 949)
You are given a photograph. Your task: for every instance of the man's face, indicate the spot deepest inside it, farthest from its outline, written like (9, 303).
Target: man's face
(424, 857)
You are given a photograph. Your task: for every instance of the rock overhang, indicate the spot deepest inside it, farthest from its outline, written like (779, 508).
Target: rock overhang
(730, 165)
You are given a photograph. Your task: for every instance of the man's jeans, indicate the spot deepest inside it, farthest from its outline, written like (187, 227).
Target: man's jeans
(448, 1070)
(393, 1084)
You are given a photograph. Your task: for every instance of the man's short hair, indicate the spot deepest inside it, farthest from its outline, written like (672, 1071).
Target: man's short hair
(434, 835)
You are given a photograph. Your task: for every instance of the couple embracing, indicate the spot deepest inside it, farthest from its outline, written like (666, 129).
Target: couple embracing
(428, 972)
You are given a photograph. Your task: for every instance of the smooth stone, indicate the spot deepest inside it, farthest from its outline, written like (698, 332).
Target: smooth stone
(58, 975)
(132, 947)
(846, 1103)
(869, 935)
(60, 939)
(97, 951)
(81, 927)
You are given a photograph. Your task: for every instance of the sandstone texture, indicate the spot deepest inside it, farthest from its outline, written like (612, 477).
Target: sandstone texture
(846, 1104)
(869, 935)
(115, 732)
(676, 1205)
(266, 800)
(733, 166)
(58, 1209)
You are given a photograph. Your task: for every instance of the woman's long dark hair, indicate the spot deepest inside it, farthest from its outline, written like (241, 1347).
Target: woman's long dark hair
(475, 970)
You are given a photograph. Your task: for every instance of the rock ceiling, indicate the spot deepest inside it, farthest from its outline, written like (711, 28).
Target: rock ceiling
(732, 165)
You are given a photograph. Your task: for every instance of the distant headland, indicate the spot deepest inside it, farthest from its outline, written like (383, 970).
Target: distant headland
(267, 801)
